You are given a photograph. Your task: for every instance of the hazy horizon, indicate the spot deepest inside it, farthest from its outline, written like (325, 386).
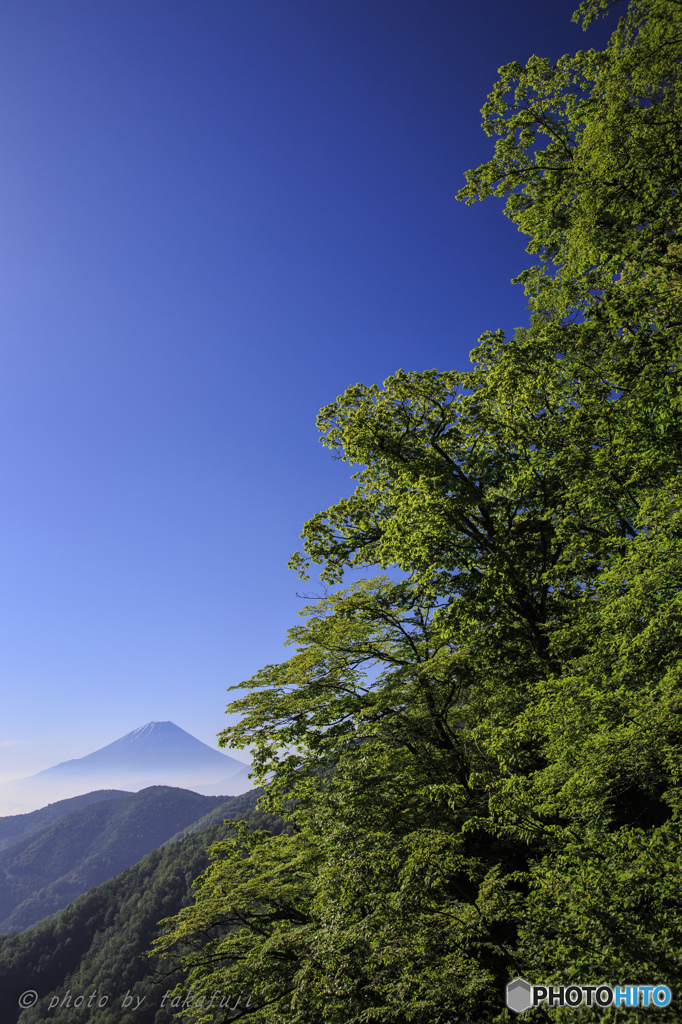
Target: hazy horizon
(157, 753)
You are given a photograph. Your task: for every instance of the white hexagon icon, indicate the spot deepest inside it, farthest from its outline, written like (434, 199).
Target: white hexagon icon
(518, 995)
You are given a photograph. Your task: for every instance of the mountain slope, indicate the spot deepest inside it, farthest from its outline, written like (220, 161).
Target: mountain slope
(237, 805)
(14, 827)
(97, 942)
(43, 873)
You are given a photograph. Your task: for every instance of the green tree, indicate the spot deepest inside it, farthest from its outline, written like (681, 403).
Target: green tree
(480, 751)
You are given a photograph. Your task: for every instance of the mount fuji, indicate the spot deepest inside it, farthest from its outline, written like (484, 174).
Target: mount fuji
(156, 754)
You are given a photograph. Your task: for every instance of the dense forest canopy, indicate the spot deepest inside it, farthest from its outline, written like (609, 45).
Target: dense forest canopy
(479, 748)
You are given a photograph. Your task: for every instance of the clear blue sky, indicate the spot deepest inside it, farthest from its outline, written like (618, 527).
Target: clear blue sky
(214, 217)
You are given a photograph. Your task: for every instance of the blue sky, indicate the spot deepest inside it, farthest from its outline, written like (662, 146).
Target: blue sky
(215, 217)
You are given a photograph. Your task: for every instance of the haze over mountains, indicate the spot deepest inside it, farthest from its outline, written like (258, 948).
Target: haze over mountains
(156, 754)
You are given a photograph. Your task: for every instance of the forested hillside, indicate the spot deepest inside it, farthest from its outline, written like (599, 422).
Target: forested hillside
(480, 747)
(15, 826)
(97, 943)
(44, 871)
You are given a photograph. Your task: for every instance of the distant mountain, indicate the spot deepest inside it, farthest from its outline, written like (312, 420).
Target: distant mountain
(157, 754)
(16, 826)
(237, 783)
(157, 747)
(42, 873)
(97, 942)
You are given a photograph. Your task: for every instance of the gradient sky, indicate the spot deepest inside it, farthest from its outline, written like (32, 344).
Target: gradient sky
(214, 217)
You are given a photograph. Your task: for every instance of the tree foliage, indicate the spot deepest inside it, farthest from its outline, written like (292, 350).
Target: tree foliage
(479, 749)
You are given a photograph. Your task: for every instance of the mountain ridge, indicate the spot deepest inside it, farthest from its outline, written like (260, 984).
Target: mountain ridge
(14, 827)
(43, 872)
(99, 940)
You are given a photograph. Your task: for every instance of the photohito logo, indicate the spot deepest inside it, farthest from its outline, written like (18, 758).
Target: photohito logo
(521, 995)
